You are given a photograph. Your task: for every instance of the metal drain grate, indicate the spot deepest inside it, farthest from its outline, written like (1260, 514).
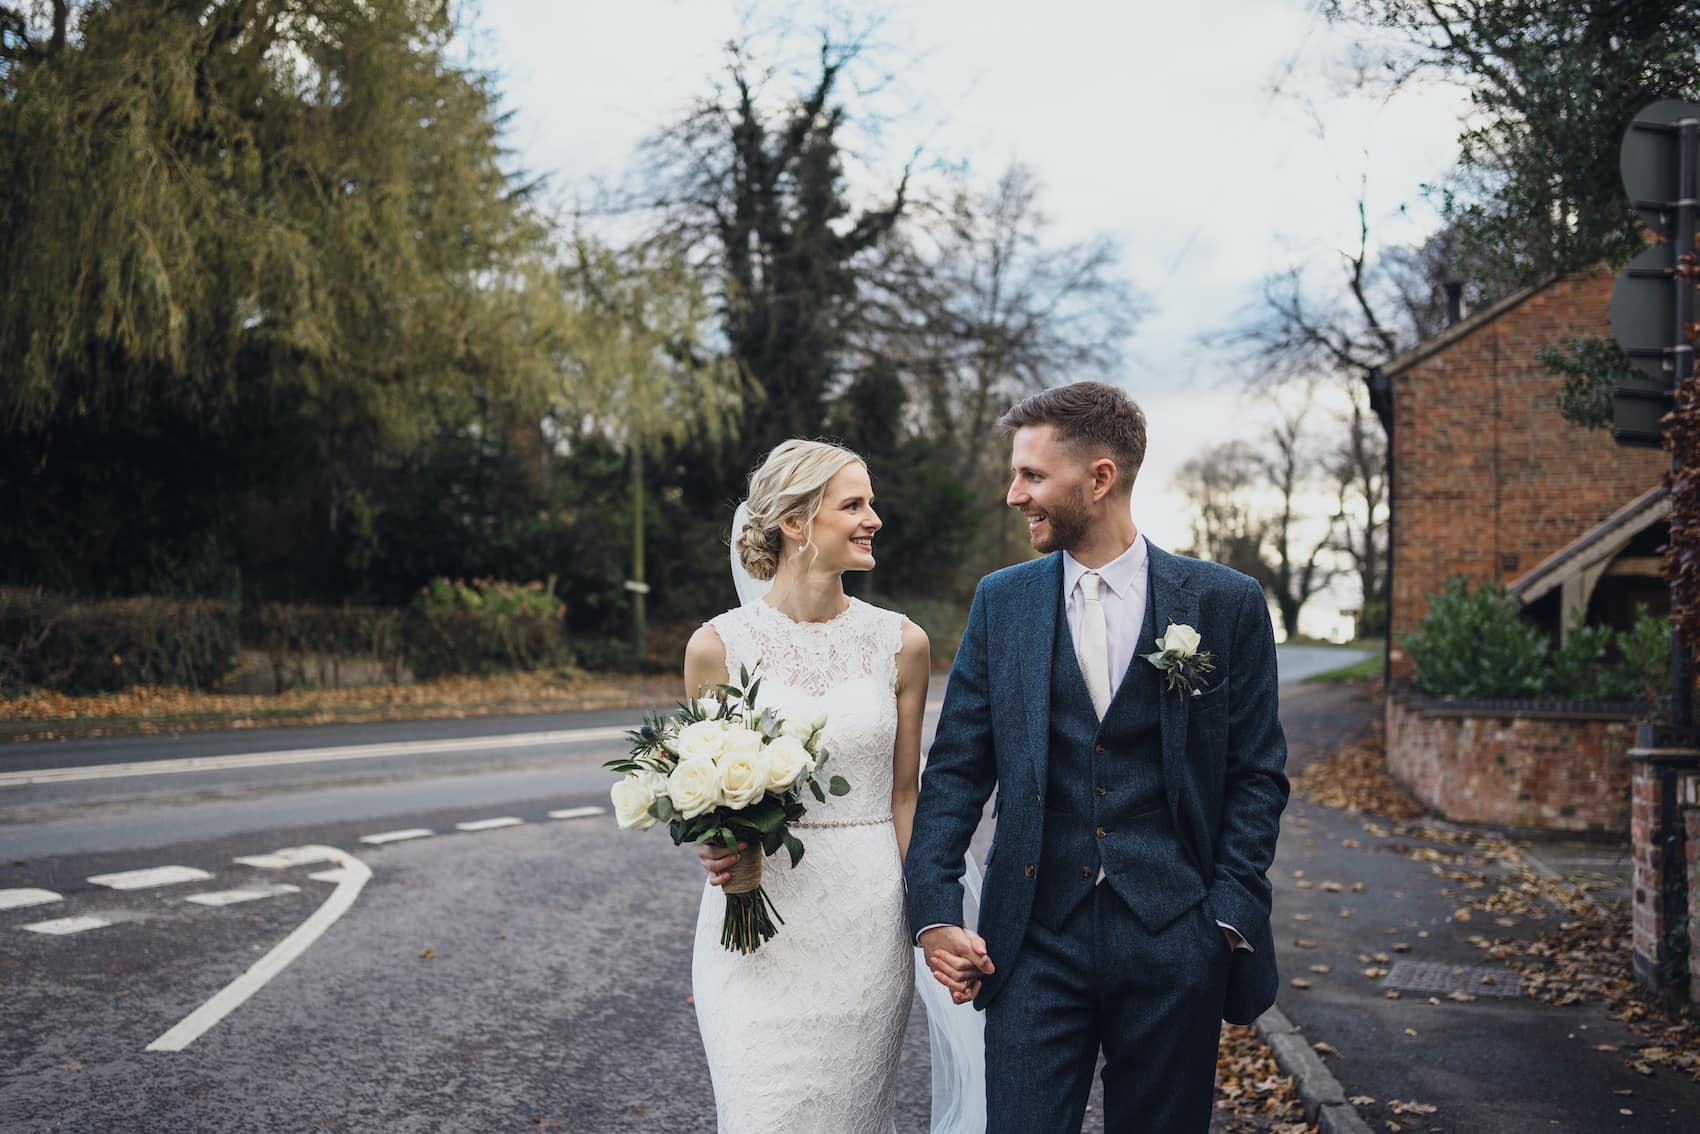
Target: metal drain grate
(1438, 978)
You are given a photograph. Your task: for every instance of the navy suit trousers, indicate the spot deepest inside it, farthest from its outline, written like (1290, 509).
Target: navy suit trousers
(1152, 1002)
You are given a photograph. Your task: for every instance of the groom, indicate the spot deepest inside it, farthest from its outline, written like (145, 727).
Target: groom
(1125, 907)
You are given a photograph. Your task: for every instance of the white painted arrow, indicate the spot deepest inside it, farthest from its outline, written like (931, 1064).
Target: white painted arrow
(352, 878)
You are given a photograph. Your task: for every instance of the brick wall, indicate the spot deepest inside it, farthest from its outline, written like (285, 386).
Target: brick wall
(1484, 467)
(1531, 771)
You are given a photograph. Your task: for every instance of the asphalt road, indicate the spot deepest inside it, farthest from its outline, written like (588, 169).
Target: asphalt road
(530, 975)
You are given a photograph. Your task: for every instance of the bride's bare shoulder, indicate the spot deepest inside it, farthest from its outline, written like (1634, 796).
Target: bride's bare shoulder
(705, 659)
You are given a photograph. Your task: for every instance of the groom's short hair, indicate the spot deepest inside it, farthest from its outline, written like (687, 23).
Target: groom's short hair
(1094, 418)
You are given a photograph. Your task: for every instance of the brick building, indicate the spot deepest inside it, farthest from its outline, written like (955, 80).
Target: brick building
(1490, 482)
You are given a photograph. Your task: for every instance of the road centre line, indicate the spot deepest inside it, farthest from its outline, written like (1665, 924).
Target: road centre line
(26, 896)
(60, 926)
(353, 877)
(578, 812)
(489, 824)
(246, 894)
(312, 756)
(383, 837)
(287, 857)
(150, 877)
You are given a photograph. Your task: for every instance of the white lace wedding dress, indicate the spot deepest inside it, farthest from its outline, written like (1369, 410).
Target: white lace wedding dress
(803, 1035)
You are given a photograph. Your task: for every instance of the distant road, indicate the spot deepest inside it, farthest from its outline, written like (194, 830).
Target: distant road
(1299, 662)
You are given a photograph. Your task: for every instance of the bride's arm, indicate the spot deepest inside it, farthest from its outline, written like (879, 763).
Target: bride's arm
(705, 665)
(914, 662)
(705, 661)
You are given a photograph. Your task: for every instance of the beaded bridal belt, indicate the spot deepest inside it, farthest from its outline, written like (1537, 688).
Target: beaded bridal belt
(870, 822)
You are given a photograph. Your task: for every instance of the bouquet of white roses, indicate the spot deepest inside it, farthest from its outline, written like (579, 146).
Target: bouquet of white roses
(720, 769)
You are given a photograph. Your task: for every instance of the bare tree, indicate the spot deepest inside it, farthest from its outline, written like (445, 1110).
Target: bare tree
(1249, 501)
(1358, 469)
(1227, 527)
(981, 307)
(1298, 567)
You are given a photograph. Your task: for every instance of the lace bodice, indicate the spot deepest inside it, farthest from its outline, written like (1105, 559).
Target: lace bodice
(848, 668)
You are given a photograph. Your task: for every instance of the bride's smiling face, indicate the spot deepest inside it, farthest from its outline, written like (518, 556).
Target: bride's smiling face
(844, 527)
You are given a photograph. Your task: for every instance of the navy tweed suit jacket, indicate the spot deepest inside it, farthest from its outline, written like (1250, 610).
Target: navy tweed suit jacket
(1223, 759)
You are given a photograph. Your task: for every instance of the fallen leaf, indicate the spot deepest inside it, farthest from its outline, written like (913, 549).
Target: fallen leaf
(1410, 1031)
(1362, 1100)
(1300, 983)
(427, 954)
(1322, 970)
(1323, 1047)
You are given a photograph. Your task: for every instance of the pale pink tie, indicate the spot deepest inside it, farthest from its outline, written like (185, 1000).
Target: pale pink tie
(1094, 650)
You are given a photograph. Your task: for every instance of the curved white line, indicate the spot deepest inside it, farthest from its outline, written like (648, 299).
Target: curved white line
(354, 875)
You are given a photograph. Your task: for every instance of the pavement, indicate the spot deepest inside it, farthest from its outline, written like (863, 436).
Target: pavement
(1365, 909)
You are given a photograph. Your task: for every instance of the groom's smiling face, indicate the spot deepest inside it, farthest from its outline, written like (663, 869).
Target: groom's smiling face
(1051, 486)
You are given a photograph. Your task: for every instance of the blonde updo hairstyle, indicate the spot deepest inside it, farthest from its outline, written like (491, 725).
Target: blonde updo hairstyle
(791, 483)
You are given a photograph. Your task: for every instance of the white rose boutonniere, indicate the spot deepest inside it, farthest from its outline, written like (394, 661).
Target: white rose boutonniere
(1182, 662)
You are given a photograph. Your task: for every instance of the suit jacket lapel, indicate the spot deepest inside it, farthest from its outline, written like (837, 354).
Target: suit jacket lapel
(1171, 602)
(1037, 623)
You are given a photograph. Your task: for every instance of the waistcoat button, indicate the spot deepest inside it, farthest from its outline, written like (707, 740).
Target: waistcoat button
(1086, 872)
(1028, 870)
(1103, 790)
(1100, 748)
(1100, 832)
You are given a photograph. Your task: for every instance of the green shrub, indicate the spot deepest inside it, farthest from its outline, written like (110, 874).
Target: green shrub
(487, 626)
(90, 647)
(308, 644)
(1476, 645)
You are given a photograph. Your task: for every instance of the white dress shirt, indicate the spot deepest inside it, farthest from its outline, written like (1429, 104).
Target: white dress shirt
(1123, 597)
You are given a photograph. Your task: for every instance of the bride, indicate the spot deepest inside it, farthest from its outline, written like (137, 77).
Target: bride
(804, 1034)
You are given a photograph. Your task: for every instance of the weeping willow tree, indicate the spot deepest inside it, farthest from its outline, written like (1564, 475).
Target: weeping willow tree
(252, 224)
(643, 371)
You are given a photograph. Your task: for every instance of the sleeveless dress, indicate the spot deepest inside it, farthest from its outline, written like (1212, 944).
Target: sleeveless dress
(803, 1035)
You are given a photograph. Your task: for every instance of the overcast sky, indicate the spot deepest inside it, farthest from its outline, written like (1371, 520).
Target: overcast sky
(1215, 142)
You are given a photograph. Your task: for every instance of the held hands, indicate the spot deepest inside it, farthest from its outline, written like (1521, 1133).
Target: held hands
(958, 960)
(717, 860)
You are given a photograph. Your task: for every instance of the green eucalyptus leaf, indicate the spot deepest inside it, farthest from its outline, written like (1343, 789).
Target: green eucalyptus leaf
(839, 786)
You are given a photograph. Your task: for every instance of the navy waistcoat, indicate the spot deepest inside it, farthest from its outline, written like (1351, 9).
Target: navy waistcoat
(1104, 799)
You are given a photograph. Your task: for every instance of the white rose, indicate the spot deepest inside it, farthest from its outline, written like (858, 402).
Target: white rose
(694, 787)
(787, 761)
(741, 742)
(656, 782)
(703, 740)
(1181, 639)
(743, 777)
(632, 799)
(709, 707)
(798, 728)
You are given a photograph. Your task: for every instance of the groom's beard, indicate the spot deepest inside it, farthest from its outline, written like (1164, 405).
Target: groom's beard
(1066, 525)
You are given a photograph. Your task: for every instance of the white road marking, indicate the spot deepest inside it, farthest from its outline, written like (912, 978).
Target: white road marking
(383, 837)
(58, 927)
(151, 877)
(246, 894)
(489, 824)
(354, 876)
(313, 755)
(578, 813)
(288, 857)
(18, 899)
(336, 874)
